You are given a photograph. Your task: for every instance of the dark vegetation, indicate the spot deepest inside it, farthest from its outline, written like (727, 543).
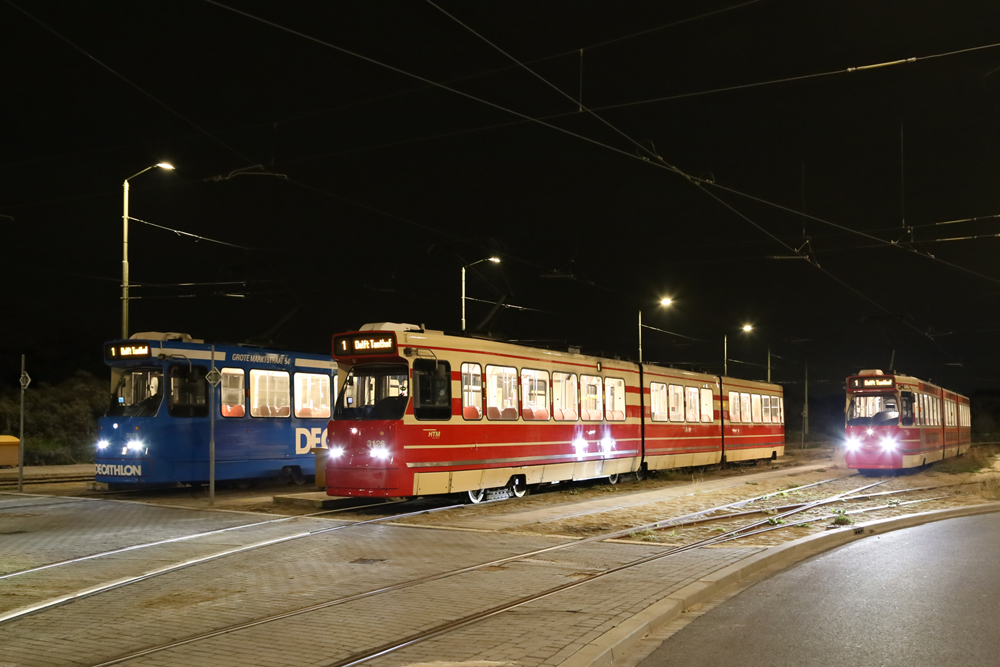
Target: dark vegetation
(60, 420)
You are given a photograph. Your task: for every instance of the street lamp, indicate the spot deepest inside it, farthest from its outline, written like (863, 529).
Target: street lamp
(747, 328)
(161, 165)
(665, 301)
(495, 260)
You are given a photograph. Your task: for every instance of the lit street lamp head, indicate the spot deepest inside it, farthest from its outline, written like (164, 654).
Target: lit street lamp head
(495, 260)
(666, 301)
(747, 327)
(164, 165)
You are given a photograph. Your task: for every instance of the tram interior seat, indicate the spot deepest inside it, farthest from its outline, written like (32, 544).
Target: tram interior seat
(492, 412)
(542, 414)
(283, 411)
(471, 412)
(569, 415)
(233, 411)
(305, 411)
(617, 415)
(509, 413)
(557, 414)
(263, 411)
(527, 414)
(592, 415)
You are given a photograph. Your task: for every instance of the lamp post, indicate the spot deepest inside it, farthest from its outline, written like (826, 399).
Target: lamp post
(495, 260)
(161, 165)
(665, 301)
(725, 349)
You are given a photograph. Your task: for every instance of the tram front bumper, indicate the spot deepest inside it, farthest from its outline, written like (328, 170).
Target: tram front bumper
(372, 482)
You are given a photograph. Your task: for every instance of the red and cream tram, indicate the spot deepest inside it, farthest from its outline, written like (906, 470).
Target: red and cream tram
(898, 421)
(424, 412)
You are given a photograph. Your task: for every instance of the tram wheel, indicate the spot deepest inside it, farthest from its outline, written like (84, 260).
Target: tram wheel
(477, 496)
(613, 479)
(517, 488)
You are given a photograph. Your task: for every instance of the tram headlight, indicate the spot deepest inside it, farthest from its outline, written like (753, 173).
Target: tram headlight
(102, 444)
(135, 445)
(335, 452)
(380, 453)
(888, 444)
(852, 444)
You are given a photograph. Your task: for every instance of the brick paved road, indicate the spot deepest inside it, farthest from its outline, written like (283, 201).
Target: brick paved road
(296, 574)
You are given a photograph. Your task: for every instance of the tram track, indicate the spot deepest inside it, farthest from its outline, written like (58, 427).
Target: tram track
(174, 567)
(182, 538)
(468, 569)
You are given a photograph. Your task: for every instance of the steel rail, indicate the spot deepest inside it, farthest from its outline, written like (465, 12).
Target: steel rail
(102, 554)
(439, 576)
(103, 588)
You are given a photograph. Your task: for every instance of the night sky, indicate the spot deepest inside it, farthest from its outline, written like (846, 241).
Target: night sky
(374, 184)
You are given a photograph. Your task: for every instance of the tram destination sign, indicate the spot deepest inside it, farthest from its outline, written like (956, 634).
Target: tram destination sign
(115, 351)
(873, 382)
(361, 344)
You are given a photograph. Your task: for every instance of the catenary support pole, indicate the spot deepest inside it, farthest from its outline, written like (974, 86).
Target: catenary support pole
(725, 355)
(20, 444)
(805, 411)
(640, 335)
(211, 437)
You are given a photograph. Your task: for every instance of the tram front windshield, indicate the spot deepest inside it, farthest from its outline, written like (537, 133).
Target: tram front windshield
(374, 392)
(138, 393)
(873, 410)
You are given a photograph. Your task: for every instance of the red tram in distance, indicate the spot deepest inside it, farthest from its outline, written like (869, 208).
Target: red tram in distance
(898, 421)
(424, 412)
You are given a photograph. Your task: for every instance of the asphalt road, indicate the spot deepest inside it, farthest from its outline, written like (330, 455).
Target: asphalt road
(928, 595)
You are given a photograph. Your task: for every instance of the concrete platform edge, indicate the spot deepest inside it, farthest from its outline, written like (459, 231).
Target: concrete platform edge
(613, 644)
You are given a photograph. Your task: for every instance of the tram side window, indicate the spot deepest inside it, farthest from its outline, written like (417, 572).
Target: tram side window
(658, 401)
(534, 394)
(614, 398)
(906, 409)
(312, 395)
(707, 406)
(936, 409)
(269, 393)
(592, 388)
(691, 404)
(745, 407)
(431, 389)
(188, 395)
(766, 408)
(781, 406)
(501, 392)
(472, 391)
(676, 403)
(232, 393)
(564, 397)
(734, 407)
(755, 408)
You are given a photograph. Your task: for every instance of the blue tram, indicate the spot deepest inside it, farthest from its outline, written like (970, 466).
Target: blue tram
(271, 408)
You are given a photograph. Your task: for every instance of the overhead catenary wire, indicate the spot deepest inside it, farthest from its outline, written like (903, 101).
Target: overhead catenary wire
(653, 154)
(138, 88)
(197, 237)
(656, 161)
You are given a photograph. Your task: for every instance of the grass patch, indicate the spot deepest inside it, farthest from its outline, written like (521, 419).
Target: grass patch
(974, 460)
(989, 487)
(842, 519)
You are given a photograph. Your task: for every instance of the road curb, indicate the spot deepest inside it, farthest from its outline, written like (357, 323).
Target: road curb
(613, 644)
